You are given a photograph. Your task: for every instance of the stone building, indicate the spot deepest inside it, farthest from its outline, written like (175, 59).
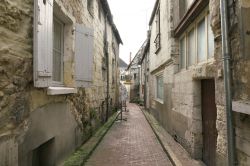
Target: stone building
(122, 68)
(134, 74)
(58, 77)
(144, 83)
(186, 82)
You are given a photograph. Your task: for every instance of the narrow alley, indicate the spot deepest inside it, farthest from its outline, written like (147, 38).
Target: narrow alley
(130, 143)
(67, 68)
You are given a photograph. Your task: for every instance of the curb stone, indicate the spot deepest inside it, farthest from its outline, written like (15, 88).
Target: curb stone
(177, 155)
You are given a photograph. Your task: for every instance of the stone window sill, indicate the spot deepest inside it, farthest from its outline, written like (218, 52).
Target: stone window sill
(159, 100)
(241, 107)
(60, 90)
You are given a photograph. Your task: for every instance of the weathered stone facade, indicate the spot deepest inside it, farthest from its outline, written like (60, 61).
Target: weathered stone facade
(180, 112)
(29, 117)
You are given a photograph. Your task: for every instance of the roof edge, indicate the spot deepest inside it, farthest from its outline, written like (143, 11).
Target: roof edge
(153, 12)
(110, 18)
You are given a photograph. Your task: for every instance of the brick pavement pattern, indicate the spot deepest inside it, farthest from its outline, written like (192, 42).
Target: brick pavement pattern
(129, 143)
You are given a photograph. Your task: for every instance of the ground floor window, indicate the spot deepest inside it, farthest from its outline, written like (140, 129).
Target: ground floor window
(159, 87)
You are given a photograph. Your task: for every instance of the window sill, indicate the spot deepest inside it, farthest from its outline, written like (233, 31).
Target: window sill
(241, 107)
(61, 90)
(159, 101)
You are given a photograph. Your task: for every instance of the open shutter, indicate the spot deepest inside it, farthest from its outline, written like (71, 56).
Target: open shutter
(43, 36)
(84, 56)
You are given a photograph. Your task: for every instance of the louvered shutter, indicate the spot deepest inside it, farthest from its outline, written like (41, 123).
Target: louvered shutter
(84, 56)
(43, 36)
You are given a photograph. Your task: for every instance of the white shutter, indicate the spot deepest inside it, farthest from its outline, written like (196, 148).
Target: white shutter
(84, 56)
(43, 38)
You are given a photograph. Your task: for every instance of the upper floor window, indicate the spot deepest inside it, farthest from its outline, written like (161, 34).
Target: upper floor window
(184, 5)
(58, 42)
(157, 26)
(53, 47)
(188, 3)
(90, 6)
(182, 59)
(99, 10)
(197, 43)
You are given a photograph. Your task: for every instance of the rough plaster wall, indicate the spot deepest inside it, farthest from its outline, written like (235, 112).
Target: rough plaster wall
(18, 97)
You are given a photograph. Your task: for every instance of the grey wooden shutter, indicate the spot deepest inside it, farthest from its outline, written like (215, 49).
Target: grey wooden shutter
(43, 36)
(84, 56)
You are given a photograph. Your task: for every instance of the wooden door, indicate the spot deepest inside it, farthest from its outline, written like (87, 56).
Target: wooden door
(209, 114)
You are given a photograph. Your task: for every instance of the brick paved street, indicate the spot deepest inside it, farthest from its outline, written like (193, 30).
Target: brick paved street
(130, 143)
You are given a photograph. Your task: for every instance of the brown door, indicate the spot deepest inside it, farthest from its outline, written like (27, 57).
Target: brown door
(209, 114)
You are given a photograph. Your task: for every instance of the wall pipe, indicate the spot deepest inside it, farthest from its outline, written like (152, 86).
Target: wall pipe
(227, 82)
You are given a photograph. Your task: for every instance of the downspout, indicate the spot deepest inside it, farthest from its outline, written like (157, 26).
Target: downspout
(107, 65)
(227, 81)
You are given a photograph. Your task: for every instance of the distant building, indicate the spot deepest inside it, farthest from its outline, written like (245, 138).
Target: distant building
(145, 74)
(122, 68)
(134, 75)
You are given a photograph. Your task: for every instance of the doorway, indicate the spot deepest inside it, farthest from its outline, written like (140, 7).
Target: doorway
(43, 155)
(209, 114)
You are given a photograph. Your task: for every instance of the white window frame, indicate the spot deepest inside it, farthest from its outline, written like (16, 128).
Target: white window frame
(187, 46)
(44, 58)
(61, 82)
(157, 40)
(184, 66)
(203, 15)
(160, 100)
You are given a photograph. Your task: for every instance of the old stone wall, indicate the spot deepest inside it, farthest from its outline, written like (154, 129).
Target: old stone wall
(241, 80)
(240, 86)
(19, 99)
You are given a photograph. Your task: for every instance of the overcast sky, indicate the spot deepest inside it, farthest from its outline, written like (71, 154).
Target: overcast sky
(131, 18)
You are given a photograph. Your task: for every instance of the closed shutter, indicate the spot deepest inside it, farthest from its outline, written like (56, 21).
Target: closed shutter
(43, 36)
(84, 56)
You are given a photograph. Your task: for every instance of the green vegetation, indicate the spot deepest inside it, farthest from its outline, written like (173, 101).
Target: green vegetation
(82, 154)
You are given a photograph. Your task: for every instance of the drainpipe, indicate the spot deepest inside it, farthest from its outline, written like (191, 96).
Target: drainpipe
(227, 81)
(107, 65)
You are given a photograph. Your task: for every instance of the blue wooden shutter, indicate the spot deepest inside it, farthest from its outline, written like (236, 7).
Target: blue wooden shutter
(43, 36)
(84, 56)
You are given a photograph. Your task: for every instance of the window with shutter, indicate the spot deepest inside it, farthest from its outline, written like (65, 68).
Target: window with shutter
(52, 25)
(83, 56)
(43, 22)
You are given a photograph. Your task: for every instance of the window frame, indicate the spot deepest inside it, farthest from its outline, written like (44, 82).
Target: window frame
(90, 7)
(157, 40)
(193, 27)
(199, 20)
(204, 15)
(61, 82)
(184, 66)
(157, 97)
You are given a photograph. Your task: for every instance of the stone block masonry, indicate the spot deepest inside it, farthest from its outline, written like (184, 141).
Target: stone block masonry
(21, 102)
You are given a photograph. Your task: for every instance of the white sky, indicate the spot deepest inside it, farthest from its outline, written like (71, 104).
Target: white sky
(131, 18)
